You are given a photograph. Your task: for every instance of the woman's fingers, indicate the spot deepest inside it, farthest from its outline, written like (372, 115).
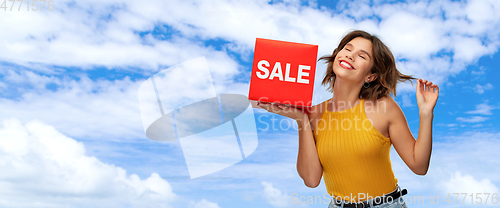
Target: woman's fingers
(277, 106)
(435, 88)
(420, 85)
(425, 85)
(271, 107)
(265, 106)
(281, 109)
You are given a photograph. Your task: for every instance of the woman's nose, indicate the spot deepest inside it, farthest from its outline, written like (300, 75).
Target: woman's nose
(349, 56)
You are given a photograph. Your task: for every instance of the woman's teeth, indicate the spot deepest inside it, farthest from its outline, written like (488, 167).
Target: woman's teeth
(345, 64)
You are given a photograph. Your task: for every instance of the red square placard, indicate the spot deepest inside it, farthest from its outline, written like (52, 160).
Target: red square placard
(283, 72)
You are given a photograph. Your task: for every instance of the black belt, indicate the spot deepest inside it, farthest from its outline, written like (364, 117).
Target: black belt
(392, 197)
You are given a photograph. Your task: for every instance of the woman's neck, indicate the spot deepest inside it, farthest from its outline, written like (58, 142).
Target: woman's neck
(345, 95)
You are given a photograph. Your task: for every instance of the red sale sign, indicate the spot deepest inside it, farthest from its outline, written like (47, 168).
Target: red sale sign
(283, 72)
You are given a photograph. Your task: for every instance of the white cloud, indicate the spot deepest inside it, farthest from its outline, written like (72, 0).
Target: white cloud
(43, 168)
(81, 108)
(480, 71)
(447, 125)
(463, 183)
(417, 37)
(473, 119)
(482, 109)
(275, 196)
(107, 36)
(203, 204)
(479, 89)
(468, 49)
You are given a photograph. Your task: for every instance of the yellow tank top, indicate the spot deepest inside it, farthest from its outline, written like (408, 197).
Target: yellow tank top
(355, 156)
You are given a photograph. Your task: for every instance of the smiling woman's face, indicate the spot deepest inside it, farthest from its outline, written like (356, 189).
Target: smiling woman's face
(354, 61)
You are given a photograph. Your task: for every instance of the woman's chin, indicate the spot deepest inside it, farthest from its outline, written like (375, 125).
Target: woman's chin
(341, 73)
(346, 77)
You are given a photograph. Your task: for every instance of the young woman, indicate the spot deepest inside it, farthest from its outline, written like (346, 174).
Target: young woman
(347, 139)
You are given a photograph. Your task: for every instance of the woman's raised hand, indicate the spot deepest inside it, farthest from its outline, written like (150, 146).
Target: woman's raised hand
(427, 95)
(284, 110)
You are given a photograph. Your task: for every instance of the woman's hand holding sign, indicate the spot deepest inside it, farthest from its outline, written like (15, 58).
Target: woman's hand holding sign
(284, 110)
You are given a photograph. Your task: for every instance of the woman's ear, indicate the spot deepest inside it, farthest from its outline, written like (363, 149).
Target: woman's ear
(371, 77)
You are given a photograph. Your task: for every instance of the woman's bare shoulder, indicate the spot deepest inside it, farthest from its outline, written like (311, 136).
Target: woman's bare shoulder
(386, 105)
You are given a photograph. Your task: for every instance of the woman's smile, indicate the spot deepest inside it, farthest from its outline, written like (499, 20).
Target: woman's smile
(346, 65)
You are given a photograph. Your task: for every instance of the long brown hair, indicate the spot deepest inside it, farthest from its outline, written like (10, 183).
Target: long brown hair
(384, 66)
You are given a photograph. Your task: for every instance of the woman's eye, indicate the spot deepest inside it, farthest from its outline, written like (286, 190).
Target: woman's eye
(362, 57)
(347, 49)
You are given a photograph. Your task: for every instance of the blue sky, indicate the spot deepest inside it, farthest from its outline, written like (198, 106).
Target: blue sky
(72, 135)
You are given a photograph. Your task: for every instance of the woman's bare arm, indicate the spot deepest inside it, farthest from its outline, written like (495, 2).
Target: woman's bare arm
(416, 154)
(308, 164)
